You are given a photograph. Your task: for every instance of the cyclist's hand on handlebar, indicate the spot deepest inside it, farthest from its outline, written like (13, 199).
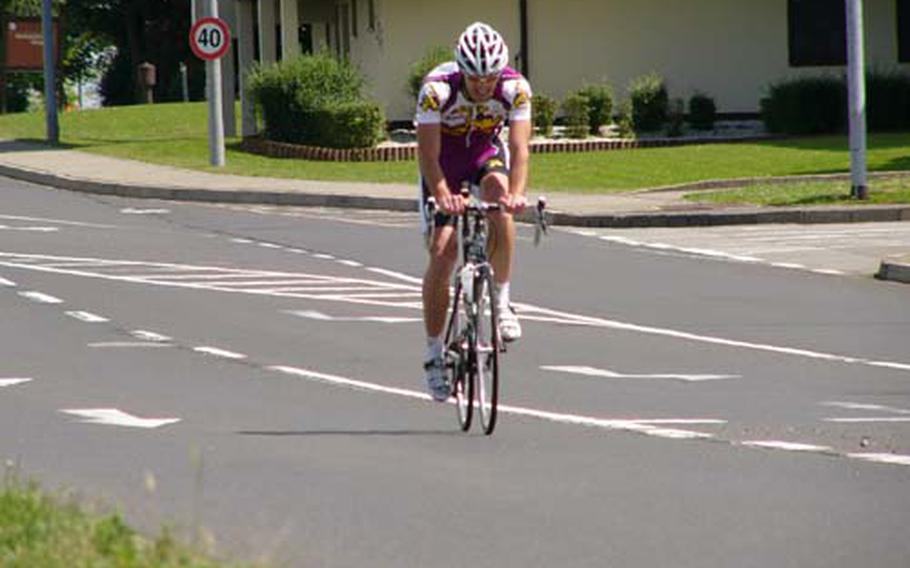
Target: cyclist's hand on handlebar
(514, 203)
(451, 204)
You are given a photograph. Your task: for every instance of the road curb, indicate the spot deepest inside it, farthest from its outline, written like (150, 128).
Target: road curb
(896, 269)
(211, 195)
(801, 215)
(737, 216)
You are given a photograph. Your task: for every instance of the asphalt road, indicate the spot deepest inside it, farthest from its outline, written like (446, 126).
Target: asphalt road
(256, 372)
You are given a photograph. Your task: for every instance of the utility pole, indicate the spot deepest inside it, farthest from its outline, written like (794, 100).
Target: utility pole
(856, 88)
(50, 80)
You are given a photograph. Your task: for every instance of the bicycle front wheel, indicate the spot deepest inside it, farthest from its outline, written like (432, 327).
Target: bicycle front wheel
(457, 346)
(485, 349)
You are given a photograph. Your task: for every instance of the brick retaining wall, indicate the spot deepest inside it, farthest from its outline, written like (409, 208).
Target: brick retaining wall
(273, 149)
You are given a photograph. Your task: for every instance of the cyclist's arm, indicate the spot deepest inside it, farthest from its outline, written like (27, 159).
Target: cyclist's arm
(429, 144)
(519, 140)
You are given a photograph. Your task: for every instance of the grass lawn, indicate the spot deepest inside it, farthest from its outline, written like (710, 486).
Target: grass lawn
(176, 134)
(38, 529)
(809, 193)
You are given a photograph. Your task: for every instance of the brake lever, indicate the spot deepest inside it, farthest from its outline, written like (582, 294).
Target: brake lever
(540, 227)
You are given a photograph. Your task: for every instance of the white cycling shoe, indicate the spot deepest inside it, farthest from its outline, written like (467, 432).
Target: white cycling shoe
(509, 328)
(437, 379)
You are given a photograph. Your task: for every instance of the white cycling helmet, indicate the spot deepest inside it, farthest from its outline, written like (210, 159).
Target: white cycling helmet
(481, 51)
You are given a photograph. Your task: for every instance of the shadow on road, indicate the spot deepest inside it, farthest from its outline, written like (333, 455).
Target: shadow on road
(350, 433)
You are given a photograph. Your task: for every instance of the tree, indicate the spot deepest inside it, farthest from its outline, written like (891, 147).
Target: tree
(155, 31)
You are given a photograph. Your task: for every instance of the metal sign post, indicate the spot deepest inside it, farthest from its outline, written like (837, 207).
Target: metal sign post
(210, 38)
(856, 88)
(50, 80)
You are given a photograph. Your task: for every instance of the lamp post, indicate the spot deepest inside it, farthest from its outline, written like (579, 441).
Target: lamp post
(856, 87)
(50, 81)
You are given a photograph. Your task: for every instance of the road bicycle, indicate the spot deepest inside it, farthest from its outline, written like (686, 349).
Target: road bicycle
(472, 342)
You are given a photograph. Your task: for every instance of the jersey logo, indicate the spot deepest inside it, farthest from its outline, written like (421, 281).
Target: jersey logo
(522, 97)
(429, 100)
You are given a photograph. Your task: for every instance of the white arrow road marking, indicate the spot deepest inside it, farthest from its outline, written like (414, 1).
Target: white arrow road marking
(87, 317)
(115, 417)
(41, 298)
(11, 382)
(593, 372)
(8, 283)
(313, 314)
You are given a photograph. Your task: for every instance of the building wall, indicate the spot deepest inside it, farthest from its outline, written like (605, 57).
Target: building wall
(730, 49)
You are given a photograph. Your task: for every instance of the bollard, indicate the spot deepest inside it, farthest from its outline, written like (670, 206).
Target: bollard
(146, 75)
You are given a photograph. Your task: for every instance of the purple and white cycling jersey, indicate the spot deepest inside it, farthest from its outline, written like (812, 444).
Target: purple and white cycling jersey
(470, 131)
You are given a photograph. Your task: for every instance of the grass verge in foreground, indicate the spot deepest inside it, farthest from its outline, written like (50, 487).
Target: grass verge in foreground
(37, 529)
(809, 193)
(176, 134)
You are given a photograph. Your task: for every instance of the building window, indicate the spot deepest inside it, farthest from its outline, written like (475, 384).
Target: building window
(903, 31)
(817, 32)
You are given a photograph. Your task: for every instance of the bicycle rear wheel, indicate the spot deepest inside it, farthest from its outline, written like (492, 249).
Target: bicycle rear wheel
(485, 349)
(457, 361)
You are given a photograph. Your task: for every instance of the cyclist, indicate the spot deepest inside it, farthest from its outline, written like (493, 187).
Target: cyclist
(461, 109)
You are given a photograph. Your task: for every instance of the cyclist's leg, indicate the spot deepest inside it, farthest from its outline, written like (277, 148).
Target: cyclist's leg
(442, 257)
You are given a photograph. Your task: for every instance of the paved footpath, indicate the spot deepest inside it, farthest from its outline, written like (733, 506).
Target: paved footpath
(81, 171)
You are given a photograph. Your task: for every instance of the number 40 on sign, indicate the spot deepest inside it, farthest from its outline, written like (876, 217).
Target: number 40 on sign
(210, 38)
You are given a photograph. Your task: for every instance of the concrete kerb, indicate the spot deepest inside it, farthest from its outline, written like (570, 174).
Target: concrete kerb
(593, 218)
(895, 268)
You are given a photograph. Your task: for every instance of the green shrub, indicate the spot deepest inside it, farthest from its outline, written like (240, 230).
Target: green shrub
(888, 101)
(575, 107)
(650, 102)
(316, 100)
(544, 109)
(433, 57)
(624, 121)
(702, 112)
(676, 118)
(809, 105)
(600, 105)
(345, 124)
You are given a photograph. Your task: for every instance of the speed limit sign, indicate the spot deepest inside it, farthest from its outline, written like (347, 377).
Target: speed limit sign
(210, 38)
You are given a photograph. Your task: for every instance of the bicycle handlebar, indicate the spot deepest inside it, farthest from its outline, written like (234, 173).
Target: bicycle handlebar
(540, 218)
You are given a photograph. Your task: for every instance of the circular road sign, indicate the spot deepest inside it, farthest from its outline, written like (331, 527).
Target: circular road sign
(210, 38)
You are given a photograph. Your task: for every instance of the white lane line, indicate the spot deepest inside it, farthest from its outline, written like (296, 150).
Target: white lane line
(606, 373)
(612, 324)
(241, 241)
(7, 283)
(315, 315)
(787, 446)
(869, 420)
(608, 424)
(58, 222)
(87, 317)
(391, 273)
(30, 229)
(136, 211)
(788, 265)
(40, 297)
(828, 271)
(116, 417)
(269, 245)
(353, 263)
(896, 459)
(218, 352)
(13, 381)
(864, 406)
(323, 256)
(127, 344)
(149, 336)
